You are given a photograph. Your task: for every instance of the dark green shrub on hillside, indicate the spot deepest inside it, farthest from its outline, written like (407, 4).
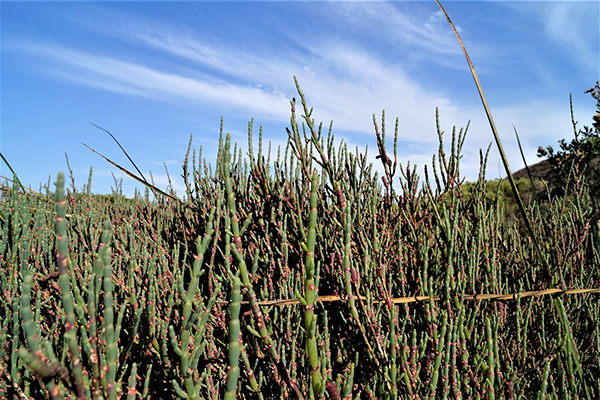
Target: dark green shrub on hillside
(580, 156)
(576, 164)
(499, 191)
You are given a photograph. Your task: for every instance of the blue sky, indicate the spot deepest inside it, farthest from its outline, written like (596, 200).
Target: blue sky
(153, 73)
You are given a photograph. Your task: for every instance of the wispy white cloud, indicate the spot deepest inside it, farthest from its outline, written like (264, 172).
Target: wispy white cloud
(111, 74)
(347, 83)
(215, 53)
(399, 24)
(344, 80)
(341, 67)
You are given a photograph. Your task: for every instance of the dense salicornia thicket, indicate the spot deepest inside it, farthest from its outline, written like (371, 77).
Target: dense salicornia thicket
(105, 297)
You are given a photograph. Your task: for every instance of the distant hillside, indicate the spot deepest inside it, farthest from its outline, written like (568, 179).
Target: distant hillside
(542, 170)
(545, 171)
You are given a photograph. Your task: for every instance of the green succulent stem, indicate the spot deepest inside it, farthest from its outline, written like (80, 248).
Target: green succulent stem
(65, 286)
(311, 291)
(233, 369)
